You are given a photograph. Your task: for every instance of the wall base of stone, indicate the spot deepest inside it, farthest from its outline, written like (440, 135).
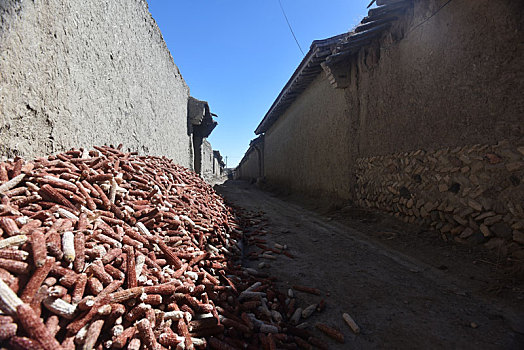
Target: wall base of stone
(471, 194)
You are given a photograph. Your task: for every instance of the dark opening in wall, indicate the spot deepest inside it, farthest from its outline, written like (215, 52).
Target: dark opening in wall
(404, 192)
(454, 188)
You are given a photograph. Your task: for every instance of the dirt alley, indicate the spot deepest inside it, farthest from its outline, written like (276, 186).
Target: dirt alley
(404, 292)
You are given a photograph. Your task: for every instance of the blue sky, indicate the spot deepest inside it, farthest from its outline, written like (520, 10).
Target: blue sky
(239, 54)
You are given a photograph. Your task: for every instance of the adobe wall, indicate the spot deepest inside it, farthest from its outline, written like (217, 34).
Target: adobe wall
(207, 160)
(82, 73)
(453, 79)
(430, 128)
(306, 150)
(249, 168)
(438, 120)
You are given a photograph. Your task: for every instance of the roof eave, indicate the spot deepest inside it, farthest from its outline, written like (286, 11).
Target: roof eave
(331, 51)
(318, 51)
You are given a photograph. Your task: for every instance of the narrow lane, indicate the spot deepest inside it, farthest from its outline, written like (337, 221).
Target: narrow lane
(398, 301)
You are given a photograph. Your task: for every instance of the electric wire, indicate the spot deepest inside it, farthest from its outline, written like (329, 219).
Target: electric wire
(289, 25)
(428, 18)
(412, 29)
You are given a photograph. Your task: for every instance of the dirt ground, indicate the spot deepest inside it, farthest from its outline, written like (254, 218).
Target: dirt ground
(404, 287)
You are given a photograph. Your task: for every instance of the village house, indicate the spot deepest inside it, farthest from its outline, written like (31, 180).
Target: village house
(416, 112)
(218, 164)
(200, 125)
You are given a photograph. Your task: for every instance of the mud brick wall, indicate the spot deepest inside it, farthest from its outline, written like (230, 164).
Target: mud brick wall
(207, 160)
(249, 167)
(469, 194)
(454, 80)
(81, 73)
(439, 77)
(306, 150)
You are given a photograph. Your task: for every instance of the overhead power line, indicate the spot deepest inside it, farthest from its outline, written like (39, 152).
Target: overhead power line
(428, 18)
(289, 25)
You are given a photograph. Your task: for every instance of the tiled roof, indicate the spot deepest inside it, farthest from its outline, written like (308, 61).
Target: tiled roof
(331, 51)
(301, 78)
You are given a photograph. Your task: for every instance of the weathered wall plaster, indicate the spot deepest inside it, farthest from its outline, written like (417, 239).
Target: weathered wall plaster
(249, 169)
(306, 149)
(82, 73)
(429, 129)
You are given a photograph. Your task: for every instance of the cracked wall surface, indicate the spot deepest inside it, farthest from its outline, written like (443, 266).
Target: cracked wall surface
(82, 73)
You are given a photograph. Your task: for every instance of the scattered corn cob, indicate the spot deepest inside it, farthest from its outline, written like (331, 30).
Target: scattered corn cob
(127, 251)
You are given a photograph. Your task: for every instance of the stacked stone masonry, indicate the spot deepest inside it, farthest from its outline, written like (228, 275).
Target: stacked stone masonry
(469, 194)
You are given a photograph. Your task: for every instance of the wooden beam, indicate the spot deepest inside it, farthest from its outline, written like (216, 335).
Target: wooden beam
(372, 24)
(368, 33)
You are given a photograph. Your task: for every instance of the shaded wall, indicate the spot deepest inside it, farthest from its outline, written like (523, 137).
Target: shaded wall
(207, 160)
(217, 167)
(249, 167)
(306, 150)
(429, 129)
(452, 80)
(438, 121)
(80, 73)
(471, 193)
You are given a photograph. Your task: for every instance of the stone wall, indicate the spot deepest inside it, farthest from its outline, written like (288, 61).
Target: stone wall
(469, 194)
(82, 73)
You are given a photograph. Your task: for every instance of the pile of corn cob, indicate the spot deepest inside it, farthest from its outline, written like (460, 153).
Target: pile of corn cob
(108, 249)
